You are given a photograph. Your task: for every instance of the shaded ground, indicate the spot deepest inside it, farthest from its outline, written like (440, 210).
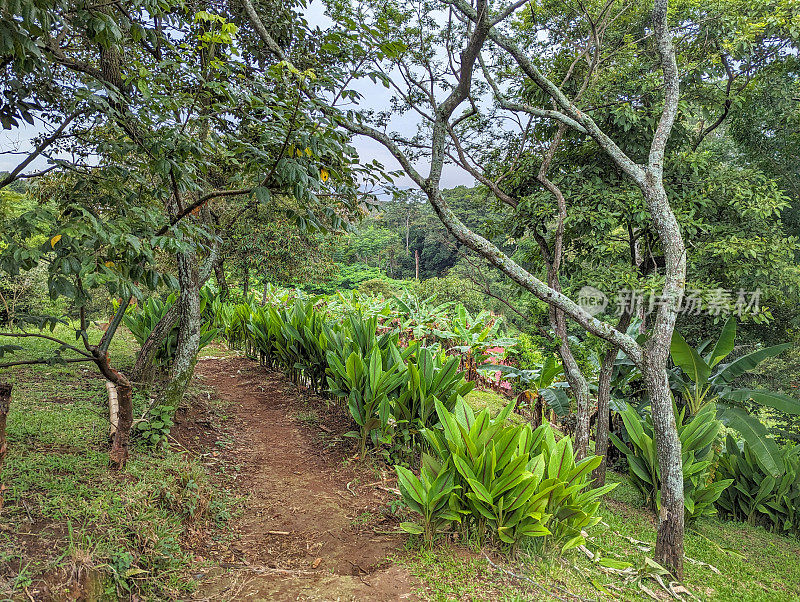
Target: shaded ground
(313, 525)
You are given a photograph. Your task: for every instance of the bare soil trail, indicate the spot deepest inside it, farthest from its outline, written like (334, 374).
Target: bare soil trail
(314, 525)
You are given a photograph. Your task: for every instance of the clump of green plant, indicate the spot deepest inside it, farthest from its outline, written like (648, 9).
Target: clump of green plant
(508, 482)
(697, 437)
(154, 428)
(758, 497)
(366, 386)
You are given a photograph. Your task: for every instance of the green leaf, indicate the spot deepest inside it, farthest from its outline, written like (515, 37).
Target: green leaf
(412, 528)
(724, 344)
(783, 403)
(748, 362)
(764, 448)
(689, 360)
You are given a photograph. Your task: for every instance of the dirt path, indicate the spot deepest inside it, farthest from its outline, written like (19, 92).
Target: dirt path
(311, 522)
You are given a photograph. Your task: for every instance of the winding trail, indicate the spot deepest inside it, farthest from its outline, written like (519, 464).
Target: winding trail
(313, 525)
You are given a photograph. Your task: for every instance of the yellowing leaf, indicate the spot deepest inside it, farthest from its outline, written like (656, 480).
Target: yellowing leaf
(110, 264)
(299, 153)
(309, 153)
(323, 174)
(55, 240)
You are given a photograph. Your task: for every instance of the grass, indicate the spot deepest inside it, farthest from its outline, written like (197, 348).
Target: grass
(479, 399)
(69, 523)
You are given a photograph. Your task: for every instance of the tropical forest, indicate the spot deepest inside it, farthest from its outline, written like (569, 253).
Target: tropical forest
(344, 300)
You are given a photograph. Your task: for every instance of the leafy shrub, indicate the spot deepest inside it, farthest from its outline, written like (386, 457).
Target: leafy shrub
(697, 437)
(154, 430)
(758, 497)
(508, 480)
(378, 286)
(450, 289)
(366, 385)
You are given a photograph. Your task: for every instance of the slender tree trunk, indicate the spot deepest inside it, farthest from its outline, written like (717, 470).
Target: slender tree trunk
(577, 383)
(5, 403)
(603, 403)
(222, 282)
(416, 261)
(246, 279)
(408, 217)
(143, 368)
(120, 442)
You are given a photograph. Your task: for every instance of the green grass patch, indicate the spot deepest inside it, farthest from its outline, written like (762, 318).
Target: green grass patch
(69, 522)
(480, 399)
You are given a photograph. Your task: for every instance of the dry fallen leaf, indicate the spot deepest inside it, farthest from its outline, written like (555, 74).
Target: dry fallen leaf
(316, 563)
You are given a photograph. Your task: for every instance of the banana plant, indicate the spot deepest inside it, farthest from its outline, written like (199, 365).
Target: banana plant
(703, 377)
(540, 386)
(757, 496)
(472, 336)
(697, 454)
(421, 316)
(431, 495)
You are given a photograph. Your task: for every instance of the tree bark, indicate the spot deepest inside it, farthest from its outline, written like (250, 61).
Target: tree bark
(222, 282)
(189, 332)
(120, 442)
(669, 539)
(5, 403)
(143, 368)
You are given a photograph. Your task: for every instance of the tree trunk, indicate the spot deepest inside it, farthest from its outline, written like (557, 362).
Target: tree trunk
(143, 368)
(5, 403)
(575, 378)
(189, 332)
(120, 442)
(246, 280)
(113, 407)
(416, 261)
(603, 403)
(669, 540)
(219, 273)
(408, 217)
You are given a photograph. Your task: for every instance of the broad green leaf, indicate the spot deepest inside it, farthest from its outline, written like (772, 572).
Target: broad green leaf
(724, 344)
(783, 403)
(748, 362)
(764, 448)
(689, 360)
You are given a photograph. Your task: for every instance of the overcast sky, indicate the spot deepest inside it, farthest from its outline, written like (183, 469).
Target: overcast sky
(375, 96)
